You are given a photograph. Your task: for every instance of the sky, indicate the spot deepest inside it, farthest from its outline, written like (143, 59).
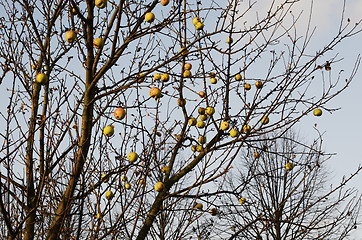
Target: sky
(341, 130)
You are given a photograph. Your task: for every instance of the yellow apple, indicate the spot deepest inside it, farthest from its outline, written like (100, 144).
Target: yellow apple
(265, 120)
(187, 66)
(256, 155)
(70, 36)
(157, 76)
(200, 124)
(238, 77)
(155, 92)
(213, 212)
(165, 77)
(127, 186)
(234, 133)
(193, 148)
(246, 128)
(229, 41)
(159, 186)
(192, 121)
(199, 148)
(119, 113)
(242, 200)
(132, 157)
(109, 195)
(224, 126)
(149, 17)
(199, 206)
(41, 78)
(100, 3)
(124, 178)
(165, 2)
(165, 169)
(203, 117)
(141, 181)
(247, 86)
(202, 94)
(108, 131)
(195, 20)
(199, 26)
(140, 77)
(184, 51)
(258, 84)
(181, 102)
(104, 178)
(187, 74)
(34, 66)
(213, 80)
(210, 111)
(99, 216)
(289, 166)
(202, 140)
(74, 9)
(98, 43)
(201, 110)
(317, 112)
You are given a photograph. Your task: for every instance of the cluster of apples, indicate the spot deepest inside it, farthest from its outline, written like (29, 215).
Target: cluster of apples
(197, 23)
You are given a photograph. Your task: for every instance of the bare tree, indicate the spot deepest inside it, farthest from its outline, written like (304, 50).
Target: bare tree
(284, 194)
(66, 66)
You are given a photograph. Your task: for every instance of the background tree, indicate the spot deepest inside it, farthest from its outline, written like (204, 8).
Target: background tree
(67, 65)
(285, 194)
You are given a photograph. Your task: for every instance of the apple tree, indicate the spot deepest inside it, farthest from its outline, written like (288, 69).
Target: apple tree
(117, 115)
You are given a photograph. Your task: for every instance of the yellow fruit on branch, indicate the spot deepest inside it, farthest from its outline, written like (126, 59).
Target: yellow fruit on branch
(210, 111)
(234, 133)
(98, 43)
(246, 128)
(199, 26)
(165, 77)
(203, 117)
(100, 3)
(242, 200)
(41, 78)
(199, 206)
(213, 212)
(224, 126)
(289, 166)
(104, 178)
(187, 74)
(149, 17)
(108, 131)
(202, 140)
(132, 157)
(258, 84)
(157, 76)
(200, 124)
(70, 36)
(238, 77)
(155, 92)
(317, 112)
(159, 186)
(264, 120)
(109, 195)
(247, 86)
(195, 20)
(192, 121)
